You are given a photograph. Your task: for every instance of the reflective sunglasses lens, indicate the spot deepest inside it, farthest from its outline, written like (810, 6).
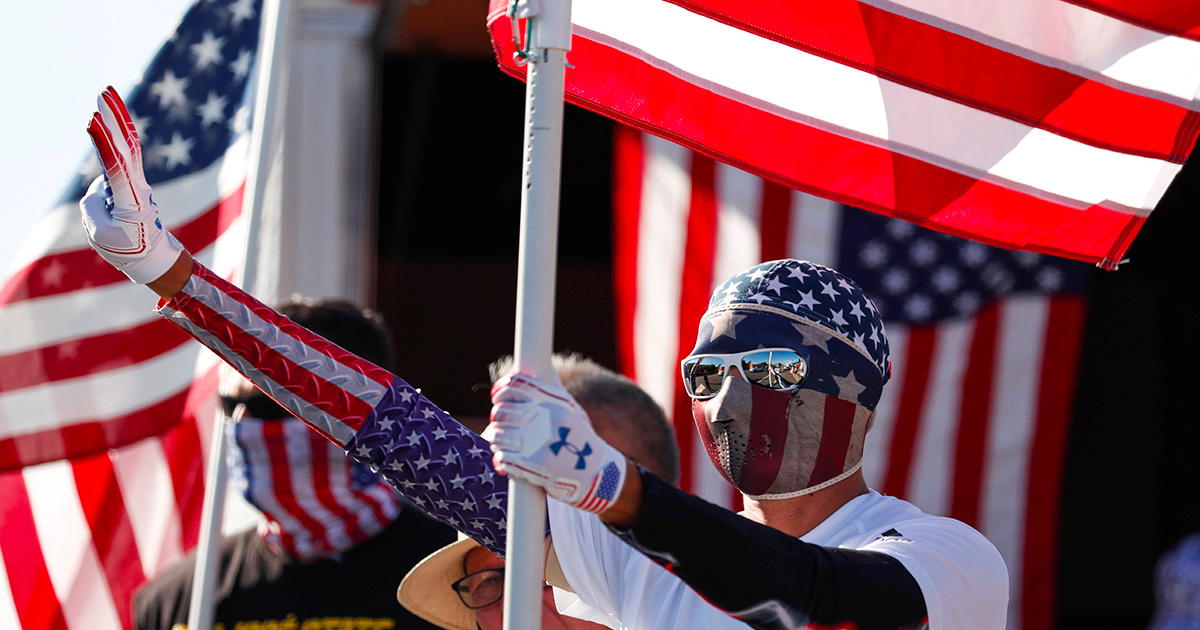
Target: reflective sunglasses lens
(774, 369)
(704, 376)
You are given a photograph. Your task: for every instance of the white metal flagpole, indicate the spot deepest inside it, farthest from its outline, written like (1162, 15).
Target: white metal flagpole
(548, 38)
(269, 62)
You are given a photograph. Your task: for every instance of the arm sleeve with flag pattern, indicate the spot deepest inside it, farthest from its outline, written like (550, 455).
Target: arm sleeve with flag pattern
(435, 462)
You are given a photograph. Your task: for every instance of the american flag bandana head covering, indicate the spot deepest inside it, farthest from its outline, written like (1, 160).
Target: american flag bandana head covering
(316, 501)
(772, 444)
(811, 293)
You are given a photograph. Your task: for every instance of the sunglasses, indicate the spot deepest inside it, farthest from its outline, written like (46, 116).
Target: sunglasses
(780, 369)
(481, 588)
(258, 405)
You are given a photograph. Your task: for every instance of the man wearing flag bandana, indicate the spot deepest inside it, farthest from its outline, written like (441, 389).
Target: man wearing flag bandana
(326, 519)
(789, 364)
(827, 410)
(814, 548)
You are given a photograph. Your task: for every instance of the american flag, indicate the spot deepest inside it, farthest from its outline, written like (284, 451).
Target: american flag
(105, 408)
(1046, 125)
(984, 342)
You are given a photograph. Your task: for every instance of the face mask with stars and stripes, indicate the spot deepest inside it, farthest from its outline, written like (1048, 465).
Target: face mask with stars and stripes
(316, 502)
(778, 444)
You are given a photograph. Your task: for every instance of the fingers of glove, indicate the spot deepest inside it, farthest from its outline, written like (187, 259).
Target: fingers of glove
(499, 464)
(511, 414)
(505, 389)
(496, 436)
(113, 100)
(114, 163)
(519, 387)
(95, 198)
(106, 147)
(94, 206)
(119, 152)
(105, 232)
(509, 466)
(123, 122)
(518, 427)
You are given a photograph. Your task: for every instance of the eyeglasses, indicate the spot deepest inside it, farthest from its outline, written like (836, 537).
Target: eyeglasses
(258, 405)
(780, 369)
(481, 588)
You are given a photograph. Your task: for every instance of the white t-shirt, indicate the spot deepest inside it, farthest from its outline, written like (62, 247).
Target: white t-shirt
(960, 573)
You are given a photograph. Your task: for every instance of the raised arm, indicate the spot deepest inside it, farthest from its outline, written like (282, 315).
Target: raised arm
(382, 421)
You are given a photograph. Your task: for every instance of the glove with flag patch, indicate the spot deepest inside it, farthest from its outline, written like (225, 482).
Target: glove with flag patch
(120, 217)
(539, 433)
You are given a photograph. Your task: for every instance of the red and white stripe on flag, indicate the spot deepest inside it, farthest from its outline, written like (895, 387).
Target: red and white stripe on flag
(105, 408)
(1044, 125)
(942, 437)
(78, 536)
(85, 362)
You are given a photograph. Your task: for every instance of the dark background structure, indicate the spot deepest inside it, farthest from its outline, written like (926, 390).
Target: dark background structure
(450, 137)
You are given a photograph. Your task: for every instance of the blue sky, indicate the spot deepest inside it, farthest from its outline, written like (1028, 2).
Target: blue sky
(57, 54)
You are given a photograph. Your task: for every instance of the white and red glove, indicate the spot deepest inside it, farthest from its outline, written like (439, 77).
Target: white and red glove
(540, 434)
(122, 221)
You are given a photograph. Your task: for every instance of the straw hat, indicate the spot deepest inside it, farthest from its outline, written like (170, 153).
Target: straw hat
(426, 591)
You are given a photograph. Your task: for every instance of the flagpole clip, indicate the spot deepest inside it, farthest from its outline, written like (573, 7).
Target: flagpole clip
(522, 10)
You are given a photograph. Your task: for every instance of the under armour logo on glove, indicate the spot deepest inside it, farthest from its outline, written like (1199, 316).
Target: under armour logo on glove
(528, 413)
(571, 448)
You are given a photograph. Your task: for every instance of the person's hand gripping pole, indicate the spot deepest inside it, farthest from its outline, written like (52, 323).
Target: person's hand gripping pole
(539, 433)
(120, 217)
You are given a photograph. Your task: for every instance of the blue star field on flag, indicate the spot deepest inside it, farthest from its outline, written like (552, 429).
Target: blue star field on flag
(609, 477)
(192, 101)
(918, 276)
